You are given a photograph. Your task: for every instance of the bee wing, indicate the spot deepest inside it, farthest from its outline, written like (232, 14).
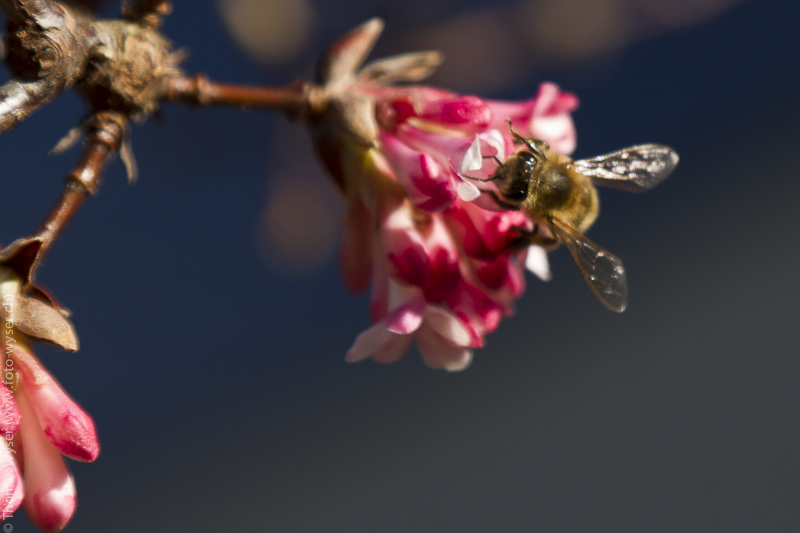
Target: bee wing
(602, 271)
(634, 169)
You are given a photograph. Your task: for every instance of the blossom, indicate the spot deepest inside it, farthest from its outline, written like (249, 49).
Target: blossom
(444, 259)
(39, 421)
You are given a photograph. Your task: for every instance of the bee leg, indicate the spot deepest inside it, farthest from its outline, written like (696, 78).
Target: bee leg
(501, 203)
(499, 163)
(532, 237)
(491, 178)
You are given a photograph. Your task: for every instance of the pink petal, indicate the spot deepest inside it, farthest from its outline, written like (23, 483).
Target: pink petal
(464, 155)
(551, 120)
(50, 497)
(438, 353)
(406, 251)
(9, 414)
(463, 114)
(392, 351)
(379, 297)
(444, 255)
(474, 328)
(11, 486)
(368, 342)
(466, 231)
(67, 426)
(396, 105)
(557, 130)
(429, 187)
(487, 203)
(515, 282)
(519, 112)
(355, 250)
(546, 117)
(443, 148)
(493, 274)
(476, 308)
(501, 274)
(467, 114)
(492, 229)
(405, 319)
(551, 101)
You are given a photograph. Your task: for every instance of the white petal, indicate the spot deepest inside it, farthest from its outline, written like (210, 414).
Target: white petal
(537, 262)
(400, 294)
(447, 325)
(495, 139)
(438, 353)
(472, 159)
(459, 363)
(467, 191)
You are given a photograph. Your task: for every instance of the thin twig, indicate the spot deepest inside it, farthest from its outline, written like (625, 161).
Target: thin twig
(103, 141)
(199, 90)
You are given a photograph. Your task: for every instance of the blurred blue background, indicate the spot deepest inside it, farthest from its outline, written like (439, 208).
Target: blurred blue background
(212, 346)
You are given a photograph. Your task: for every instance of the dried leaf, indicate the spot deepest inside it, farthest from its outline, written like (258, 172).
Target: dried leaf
(22, 256)
(346, 54)
(405, 68)
(43, 322)
(354, 116)
(69, 140)
(127, 157)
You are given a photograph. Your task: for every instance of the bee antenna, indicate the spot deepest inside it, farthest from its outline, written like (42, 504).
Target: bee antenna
(516, 135)
(536, 150)
(532, 147)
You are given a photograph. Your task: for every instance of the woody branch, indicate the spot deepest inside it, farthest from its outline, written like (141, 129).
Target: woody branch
(125, 68)
(103, 141)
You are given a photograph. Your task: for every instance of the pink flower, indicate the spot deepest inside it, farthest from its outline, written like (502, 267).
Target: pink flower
(441, 256)
(39, 421)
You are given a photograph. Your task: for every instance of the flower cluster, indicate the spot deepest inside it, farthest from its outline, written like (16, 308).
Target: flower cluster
(442, 256)
(39, 421)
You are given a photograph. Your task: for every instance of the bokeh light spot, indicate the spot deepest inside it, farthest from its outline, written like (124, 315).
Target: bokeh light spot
(298, 225)
(575, 29)
(272, 31)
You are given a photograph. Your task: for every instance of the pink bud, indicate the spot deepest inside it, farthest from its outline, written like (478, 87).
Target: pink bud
(67, 426)
(50, 497)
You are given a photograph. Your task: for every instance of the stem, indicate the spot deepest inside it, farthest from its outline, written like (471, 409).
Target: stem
(103, 141)
(199, 90)
(18, 99)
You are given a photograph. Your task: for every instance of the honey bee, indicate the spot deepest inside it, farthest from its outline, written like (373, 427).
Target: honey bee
(560, 193)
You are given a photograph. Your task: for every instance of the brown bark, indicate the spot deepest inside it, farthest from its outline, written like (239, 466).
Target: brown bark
(104, 139)
(199, 90)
